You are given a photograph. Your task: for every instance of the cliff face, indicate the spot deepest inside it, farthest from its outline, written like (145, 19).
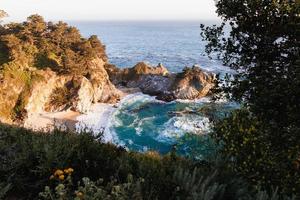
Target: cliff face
(41, 91)
(50, 67)
(82, 91)
(10, 88)
(104, 90)
(53, 92)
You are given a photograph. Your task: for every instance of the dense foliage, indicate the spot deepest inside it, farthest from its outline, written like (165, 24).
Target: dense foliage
(30, 161)
(263, 46)
(40, 44)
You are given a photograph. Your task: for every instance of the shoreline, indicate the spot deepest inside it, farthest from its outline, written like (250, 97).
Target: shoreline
(75, 121)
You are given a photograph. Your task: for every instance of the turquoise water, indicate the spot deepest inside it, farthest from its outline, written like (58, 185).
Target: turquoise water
(142, 123)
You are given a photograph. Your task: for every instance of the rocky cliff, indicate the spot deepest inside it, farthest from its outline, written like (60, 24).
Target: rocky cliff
(53, 92)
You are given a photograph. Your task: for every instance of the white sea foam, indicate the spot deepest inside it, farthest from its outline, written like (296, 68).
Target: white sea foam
(105, 118)
(97, 120)
(102, 117)
(140, 123)
(201, 100)
(137, 98)
(177, 127)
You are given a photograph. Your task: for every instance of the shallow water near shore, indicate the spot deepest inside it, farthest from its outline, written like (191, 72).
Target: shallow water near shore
(142, 123)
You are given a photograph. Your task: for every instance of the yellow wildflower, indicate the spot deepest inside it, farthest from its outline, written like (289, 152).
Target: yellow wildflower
(69, 171)
(58, 172)
(61, 177)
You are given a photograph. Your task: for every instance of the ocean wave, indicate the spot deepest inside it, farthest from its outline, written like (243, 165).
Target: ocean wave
(176, 127)
(137, 98)
(98, 120)
(199, 101)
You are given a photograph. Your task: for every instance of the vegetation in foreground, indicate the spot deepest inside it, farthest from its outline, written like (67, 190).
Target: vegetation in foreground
(64, 165)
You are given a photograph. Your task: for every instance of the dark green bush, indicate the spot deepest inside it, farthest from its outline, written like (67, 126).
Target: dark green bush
(246, 140)
(260, 40)
(29, 158)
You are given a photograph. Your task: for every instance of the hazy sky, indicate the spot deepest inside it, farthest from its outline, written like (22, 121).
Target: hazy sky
(110, 9)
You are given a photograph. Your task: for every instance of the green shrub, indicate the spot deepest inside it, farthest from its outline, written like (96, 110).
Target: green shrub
(29, 158)
(254, 155)
(60, 97)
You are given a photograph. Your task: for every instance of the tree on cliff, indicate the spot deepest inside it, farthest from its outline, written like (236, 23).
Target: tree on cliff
(263, 46)
(41, 44)
(3, 14)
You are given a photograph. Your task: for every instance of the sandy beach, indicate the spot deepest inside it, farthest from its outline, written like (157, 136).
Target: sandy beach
(97, 116)
(45, 121)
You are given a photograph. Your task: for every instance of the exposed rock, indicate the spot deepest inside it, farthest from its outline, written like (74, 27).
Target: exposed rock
(96, 87)
(130, 76)
(104, 90)
(155, 85)
(40, 93)
(192, 83)
(52, 92)
(85, 96)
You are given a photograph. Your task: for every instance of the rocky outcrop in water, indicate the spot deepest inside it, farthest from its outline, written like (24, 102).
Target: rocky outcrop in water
(192, 83)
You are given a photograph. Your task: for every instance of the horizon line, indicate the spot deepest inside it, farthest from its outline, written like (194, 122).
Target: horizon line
(6, 20)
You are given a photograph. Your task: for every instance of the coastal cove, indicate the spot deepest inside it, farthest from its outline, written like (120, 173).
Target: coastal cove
(142, 123)
(126, 98)
(143, 100)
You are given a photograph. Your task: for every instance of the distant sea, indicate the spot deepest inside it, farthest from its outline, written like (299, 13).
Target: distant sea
(140, 122)
(175, 44)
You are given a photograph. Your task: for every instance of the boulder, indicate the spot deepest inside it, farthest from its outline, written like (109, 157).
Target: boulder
(192, 83)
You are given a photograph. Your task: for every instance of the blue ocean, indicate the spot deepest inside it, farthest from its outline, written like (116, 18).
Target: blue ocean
(174, 44)
(142, 123)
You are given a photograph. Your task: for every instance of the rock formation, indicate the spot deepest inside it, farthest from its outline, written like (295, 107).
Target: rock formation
(130, 76)
(192, 83)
